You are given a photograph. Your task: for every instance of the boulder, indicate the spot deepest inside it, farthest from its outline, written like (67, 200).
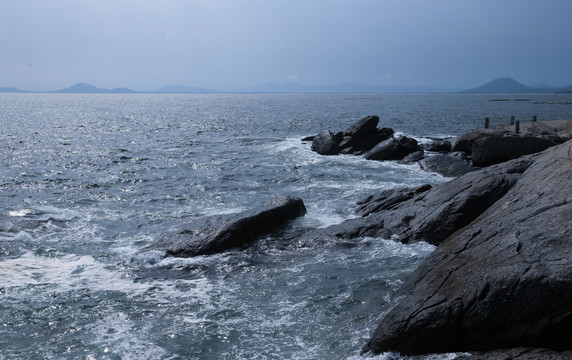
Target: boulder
(216, 234)
(446, 165)
(392, 149)
(502, 281)
(325, 143)
(493, 150)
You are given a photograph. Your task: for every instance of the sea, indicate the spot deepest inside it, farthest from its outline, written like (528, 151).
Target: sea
(87, 180)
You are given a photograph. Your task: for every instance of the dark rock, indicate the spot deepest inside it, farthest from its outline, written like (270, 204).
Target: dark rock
(363, 135)
(413, 157)
(309, 138)
(325, 143)
(493, 150)
(219, 233)
(502, 281)
(465, 142)
(423, 214)
(443, 146)
(392, 149)
(446, 165)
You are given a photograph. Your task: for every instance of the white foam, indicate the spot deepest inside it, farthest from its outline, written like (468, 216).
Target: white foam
(53, 213)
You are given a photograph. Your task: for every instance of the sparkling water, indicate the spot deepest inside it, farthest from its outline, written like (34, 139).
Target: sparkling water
(87, 180)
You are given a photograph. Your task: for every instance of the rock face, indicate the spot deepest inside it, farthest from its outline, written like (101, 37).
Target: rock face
(219, 233)
(502, 281)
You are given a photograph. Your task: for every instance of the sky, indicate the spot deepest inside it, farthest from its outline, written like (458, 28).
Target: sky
(228, 44)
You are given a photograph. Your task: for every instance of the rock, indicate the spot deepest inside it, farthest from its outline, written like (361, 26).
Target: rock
(465, 142)
(363, 135)
(325, 143)
(446, 165)
(493, 150)
(219, 233)
(308, 138)
(413, 157)
(443, 146)
(426, 213)
(392, 149)
(502, 281)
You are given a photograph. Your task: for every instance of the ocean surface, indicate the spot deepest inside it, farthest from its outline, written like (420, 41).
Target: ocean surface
(87, 180)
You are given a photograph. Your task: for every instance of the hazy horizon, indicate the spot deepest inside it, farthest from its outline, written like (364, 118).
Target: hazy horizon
(224, 44)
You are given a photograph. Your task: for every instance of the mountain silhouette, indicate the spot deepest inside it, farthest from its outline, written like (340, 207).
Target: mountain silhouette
(506, 85)
(84, 88)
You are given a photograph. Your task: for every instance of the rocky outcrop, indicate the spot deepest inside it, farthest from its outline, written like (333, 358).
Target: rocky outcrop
(219, 233)
(442, 146)
(360, 137)
(427, 213)
(363, 135)
(504, 280)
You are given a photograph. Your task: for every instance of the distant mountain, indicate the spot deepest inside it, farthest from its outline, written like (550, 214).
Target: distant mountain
(506, 85)
(83, 88)
(567, 90)
(11, 90)
(181, 89)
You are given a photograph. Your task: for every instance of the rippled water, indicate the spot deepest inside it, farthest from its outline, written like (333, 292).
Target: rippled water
(87, 180)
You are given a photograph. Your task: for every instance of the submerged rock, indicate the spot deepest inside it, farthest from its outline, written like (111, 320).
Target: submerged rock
(219, 233)
(502, 281)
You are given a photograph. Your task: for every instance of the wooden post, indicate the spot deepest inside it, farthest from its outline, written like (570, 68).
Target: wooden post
(486, 123)
(512, 120)
(534, 118)
(517, 127)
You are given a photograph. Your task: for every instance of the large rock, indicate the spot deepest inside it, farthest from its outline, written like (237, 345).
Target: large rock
(363, 135)
(219, 233)
(502, 281)
(446, 165)
(465, 142)
(493, 150)
(392, 149)
(325, 143)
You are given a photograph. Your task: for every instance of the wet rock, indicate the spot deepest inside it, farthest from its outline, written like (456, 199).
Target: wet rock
(363, 135)
(392, 149)
(502, 281)
(216, 234)
(446, 165)
(413, 157)
(493, 150)
(325, 143)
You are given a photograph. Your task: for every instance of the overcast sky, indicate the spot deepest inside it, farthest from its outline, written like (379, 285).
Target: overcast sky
(224, 44)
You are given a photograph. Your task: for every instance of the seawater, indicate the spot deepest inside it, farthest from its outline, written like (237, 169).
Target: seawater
(87, 180)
